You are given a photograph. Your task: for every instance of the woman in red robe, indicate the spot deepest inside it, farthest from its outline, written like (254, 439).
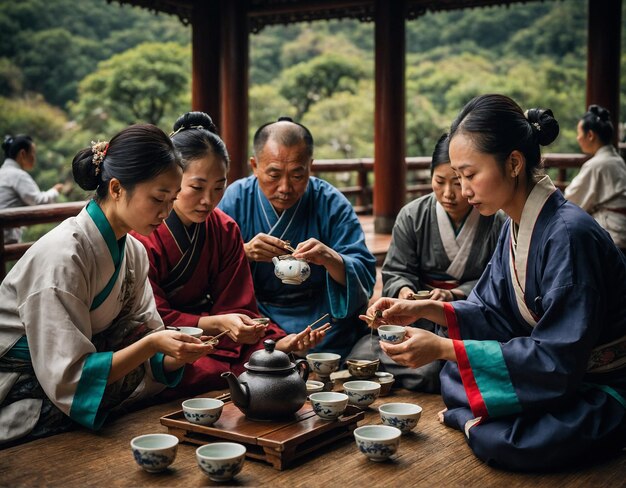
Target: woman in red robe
(198, 268)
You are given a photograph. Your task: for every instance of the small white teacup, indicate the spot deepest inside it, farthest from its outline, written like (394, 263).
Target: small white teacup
(313, 386)
(361, 393)
(192, 331)
(403, 416)
(323, 363)
(261, 320)
(203, 411)
(377, 442)
(221, 461)
(391, 333)
(154, 452)
(329, 405)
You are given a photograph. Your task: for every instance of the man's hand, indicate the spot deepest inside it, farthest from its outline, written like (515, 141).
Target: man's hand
(263, 247)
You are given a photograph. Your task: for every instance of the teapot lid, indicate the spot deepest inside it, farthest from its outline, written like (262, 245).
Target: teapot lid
(269, 359)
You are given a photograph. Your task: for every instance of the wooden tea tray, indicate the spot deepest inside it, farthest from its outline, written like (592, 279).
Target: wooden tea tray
(277, 443)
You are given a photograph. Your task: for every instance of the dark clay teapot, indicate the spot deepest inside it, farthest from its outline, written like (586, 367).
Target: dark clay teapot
(272, 387)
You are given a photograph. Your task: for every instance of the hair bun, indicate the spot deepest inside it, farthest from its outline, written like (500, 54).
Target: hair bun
(8, 140)
(603, 114)
(544, 125)
(84, 170)
(194, 120)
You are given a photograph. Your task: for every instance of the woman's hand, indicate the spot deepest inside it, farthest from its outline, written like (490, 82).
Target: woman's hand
(182, 347)
(241, 328)
(263, 247)
(302, 341)
(392, 311)
(405, 292)
(442, 295)
(420, 347)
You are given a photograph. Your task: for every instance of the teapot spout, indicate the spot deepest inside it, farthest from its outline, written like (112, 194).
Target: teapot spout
(275, 260)
(238, 391)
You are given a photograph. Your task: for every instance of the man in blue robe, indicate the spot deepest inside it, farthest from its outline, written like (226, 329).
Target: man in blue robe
(280, 206)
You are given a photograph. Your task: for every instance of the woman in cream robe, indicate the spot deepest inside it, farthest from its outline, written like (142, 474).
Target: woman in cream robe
(600, 186)
(77, 314)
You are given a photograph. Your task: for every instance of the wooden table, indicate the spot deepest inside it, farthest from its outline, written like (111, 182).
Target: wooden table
(433, 455)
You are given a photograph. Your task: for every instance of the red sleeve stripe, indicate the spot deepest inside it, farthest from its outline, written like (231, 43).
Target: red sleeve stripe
(477, 404)
(453, 325)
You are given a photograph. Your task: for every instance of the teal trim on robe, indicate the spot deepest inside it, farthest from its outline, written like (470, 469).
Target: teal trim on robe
(171, 379)
(90, 390)
(116, 248)
(20, 350)
(492, 377)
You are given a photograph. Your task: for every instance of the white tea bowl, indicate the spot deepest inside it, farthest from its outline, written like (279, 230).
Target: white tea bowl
(361, 393)
(203, 411)
(313, 386)
(391, 333)
(154, 452)
(403, 416)
(377, 442)
(323, 363)
(192, 331)
(329, 405)
(221, 461)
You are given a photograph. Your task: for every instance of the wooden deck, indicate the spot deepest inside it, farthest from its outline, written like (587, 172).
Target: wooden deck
(433, 455)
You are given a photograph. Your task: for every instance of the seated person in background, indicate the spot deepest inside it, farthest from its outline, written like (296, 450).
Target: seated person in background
(17, 187)
(600, 186)
(80, 335)
(280, 204)
(439, 243)
(535, 375)
(198, 268)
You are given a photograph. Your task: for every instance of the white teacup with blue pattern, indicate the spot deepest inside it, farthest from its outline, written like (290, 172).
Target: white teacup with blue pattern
(361, 393)
(154, 452)
(203, 411)
(329, 405)
(221, 461)
(391, 333)
(377, 442)
(403, 416)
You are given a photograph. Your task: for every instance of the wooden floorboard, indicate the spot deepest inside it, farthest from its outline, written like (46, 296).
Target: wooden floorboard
(433, 455)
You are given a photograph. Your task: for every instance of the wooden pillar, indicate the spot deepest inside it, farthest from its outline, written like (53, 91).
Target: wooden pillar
(390, 106)
(603, 56)
(234, 84)
(205, 59)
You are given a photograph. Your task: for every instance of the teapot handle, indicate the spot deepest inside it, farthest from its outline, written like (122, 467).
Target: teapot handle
(302, 366)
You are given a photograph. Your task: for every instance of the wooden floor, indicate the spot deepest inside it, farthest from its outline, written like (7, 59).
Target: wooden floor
(433, 455)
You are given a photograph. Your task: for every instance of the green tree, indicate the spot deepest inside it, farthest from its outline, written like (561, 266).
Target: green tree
(266, 104)
(307, 83)
(11, 79)
(343, 125)
(144, 84)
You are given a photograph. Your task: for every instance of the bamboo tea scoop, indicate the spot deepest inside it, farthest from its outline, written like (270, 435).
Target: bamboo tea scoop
(214, 340)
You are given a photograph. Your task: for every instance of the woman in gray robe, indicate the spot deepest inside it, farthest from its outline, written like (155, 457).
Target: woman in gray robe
(441, 244)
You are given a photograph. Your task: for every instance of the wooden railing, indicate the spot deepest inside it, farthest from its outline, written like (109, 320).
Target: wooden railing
(418, 175)
(26, 216)
(418, 183)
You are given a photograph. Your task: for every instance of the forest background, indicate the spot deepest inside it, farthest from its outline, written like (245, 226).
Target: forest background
(76, 71)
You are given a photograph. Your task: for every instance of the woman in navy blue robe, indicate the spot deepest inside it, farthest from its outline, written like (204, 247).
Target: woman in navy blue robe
(536, 371)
